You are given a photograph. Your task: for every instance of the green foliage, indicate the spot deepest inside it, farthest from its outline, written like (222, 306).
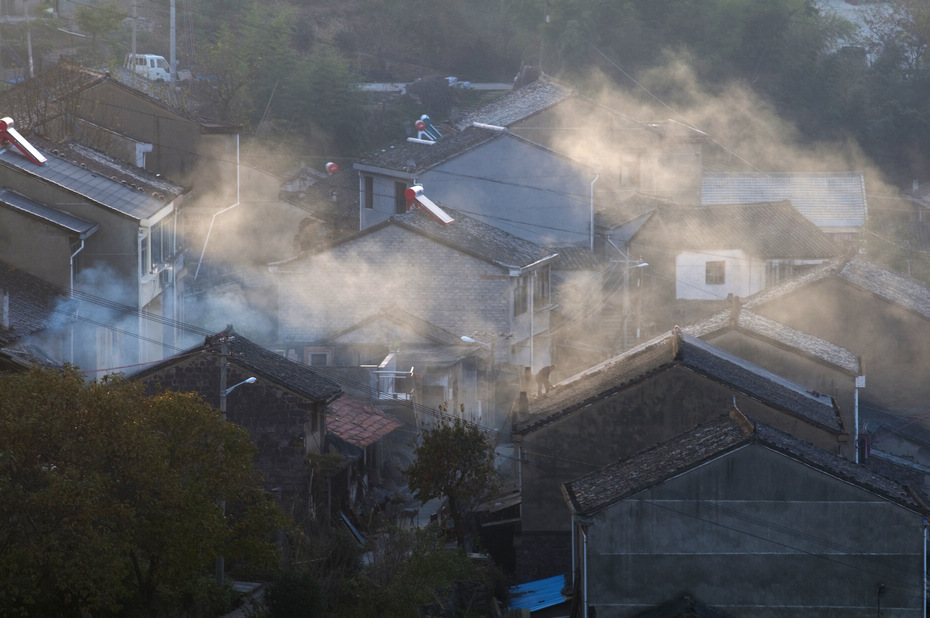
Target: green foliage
(111, 497)
(99, 19)
(295, 594)
(454, 460)
(408, 568)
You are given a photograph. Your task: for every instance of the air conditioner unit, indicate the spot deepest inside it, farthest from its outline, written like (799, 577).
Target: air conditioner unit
(164, 277)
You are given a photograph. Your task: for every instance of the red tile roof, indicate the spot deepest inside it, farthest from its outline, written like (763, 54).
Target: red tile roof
(358, 423)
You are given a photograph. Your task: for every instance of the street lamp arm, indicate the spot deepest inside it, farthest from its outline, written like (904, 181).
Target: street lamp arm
(246, 381)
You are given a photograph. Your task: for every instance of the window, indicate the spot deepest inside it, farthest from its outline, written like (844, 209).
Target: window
(400, 198)
(541, 289)
(519, 296)
(716, 273)
(144, 265)
(369, 192)
(318, 360)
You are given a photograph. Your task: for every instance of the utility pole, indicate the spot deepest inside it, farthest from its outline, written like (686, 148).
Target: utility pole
(224, 358)
(173, 61)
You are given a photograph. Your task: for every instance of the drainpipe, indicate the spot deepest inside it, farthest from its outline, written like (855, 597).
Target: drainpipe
(924, 604)
(71, 294)
(860, 383)
(71, 266)
(584, 572)
(215, 215)
(596, 176)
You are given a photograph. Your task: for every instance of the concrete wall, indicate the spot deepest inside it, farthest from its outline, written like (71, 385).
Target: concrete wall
(527, 191)
(756, 534)
(743, 275)
(35, 247)
(666, 405)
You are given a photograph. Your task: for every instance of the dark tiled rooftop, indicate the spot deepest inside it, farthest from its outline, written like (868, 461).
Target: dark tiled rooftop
(627, 477)
(263, 364)
(637, 364)
(765, 230)
(894, 287)
(519, 104)
(764, 328)
(90, 181)
(413, 157)
(34, 304)
(827, 199)
(476, 238)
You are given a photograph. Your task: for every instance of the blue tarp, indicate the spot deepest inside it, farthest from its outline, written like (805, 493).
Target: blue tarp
(539, 594)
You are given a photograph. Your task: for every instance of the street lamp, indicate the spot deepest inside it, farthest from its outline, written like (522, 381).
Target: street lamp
(220, 561)
(492, 382)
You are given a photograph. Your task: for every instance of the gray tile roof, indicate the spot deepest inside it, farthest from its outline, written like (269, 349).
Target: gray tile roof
(414, 158)
(63, 220)
(34, 304)
(757, 326)
(260, 362)
(90, 181)
(576, 258)
(676, 348)
(594, 492)
(477, 239)
(858, 271)
(519, 104)
(828, 199)
(764, 230)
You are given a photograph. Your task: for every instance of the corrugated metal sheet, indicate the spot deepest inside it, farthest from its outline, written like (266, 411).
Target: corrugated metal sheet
(539, 594)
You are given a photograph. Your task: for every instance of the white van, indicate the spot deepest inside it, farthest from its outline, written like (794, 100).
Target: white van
(153, 67)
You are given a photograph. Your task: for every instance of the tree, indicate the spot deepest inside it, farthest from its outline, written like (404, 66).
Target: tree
(99, 19)
(454, 460)
(110, 497)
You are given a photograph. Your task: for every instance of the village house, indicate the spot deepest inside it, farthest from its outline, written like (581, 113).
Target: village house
(648, 395)
(751, 520)
(109, 238)
(284, 408)
(712, 252)
(465, 277)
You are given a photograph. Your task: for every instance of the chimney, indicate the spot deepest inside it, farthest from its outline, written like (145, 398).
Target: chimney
(4, 309)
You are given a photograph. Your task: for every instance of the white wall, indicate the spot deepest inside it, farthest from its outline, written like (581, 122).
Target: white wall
(744, 275)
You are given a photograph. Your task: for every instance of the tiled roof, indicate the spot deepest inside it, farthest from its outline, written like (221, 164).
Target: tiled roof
(358, 423)
(406, 321)
(785, 336)
(765, 230)
(827, 199)
(675, 348)
(94, 182)
(518, 104)
(58, 218)
(34, 304)
(576, 258)
(263, 364)
(414, 158)
(475, 238)
(858, 271)
(596, 491)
